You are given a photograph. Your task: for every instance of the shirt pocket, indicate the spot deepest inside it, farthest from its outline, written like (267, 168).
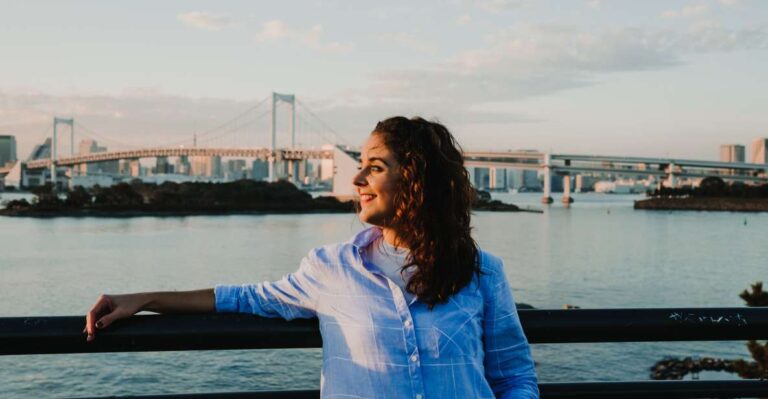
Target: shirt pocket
(454, 328)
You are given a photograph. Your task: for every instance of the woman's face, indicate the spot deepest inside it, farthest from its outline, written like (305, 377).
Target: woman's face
(376, 181)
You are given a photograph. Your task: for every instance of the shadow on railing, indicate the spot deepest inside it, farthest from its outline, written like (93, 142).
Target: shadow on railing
(57, 335)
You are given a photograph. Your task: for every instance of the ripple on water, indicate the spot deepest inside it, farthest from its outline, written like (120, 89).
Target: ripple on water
(584, 256)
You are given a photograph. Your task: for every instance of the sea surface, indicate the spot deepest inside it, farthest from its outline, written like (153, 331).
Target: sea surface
(599, 253)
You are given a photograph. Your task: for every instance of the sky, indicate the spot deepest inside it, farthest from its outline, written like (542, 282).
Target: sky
(633, 78)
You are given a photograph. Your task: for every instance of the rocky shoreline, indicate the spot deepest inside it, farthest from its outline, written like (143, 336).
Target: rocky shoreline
(704, 204)
(244, 197)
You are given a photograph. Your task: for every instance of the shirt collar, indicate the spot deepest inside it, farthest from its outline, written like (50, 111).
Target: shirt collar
(366, 237)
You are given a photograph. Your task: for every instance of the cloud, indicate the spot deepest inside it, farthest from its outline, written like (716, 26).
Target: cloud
(484, 87)
(463, 20)
(729, 3)
(409, 41)
(689, 11)
(313, 38)
(530, 61)
(206, 20)
(274, 30)
(594, 3)
(501, 5)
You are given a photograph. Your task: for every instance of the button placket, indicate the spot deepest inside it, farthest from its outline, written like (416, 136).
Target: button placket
(414, 367)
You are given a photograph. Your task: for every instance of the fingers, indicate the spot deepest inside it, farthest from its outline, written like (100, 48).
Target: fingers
(105, 321)
(92, 318)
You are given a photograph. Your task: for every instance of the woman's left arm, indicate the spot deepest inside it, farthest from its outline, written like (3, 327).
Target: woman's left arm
(509, 366)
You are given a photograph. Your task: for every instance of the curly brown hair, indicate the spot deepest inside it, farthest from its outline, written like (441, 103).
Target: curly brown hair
(432, 207)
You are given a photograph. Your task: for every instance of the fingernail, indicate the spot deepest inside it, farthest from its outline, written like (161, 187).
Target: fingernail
(98, 324)
(89, 338)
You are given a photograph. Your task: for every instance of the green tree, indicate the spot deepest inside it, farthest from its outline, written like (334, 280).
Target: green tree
(46, 197)
(78, 197)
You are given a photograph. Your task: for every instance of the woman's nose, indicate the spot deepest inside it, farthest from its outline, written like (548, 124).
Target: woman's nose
(359, 178)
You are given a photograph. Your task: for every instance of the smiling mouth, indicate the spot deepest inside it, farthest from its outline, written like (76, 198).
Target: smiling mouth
(365, 198)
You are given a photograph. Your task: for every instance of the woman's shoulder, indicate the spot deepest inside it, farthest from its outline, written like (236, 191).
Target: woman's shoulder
(489, 263)
(345, 252)
(331, 254)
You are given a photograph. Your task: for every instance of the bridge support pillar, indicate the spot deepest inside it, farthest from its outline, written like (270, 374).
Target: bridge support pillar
(567, 199)
(291, 171)
(302, 172)
(672, 181)
(547, 198)
(271, 168)
(491, 178)
(134, 167)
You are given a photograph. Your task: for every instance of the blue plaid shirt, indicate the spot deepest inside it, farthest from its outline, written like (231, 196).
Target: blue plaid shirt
(376, 345)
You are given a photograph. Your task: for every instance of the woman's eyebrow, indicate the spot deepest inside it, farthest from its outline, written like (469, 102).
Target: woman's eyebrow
(378, 159)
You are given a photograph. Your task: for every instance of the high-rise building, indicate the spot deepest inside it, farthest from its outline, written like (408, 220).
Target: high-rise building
(732, 153)
(260, 170)
(7, 150)
(182, 165)
(162, 166)
(327, 167)
(759, 151)
(208, 166)
(41, 151)
(531, 180)
(97, 168)
(482, 178)
(235, 169)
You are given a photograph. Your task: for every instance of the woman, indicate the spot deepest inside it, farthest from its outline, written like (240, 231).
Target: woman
(408, 308)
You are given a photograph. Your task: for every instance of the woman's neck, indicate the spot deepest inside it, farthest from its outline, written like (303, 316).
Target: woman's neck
(391, 238)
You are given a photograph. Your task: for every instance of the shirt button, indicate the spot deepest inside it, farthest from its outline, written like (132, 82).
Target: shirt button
(414, 358)
(407, 323)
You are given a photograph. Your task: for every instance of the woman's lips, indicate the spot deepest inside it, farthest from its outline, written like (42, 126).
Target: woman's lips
(366, 198)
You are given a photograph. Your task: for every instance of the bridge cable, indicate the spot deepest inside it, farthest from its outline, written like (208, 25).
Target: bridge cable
(318, 132)
(105, 138)
(233, 129)
(336, 134)
(220, 126)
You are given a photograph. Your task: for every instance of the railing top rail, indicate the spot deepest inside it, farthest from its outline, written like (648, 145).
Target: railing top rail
(48, 335)
(569, 390)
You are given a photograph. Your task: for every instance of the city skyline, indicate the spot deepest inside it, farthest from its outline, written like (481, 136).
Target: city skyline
(666, 79)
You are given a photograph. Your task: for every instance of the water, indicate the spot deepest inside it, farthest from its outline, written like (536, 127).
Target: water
(600, 253)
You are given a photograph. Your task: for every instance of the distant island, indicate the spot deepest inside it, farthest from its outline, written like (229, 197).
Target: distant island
(191, 198)
(713, 194)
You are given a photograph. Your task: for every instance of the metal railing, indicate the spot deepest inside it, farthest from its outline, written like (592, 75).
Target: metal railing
(59, 335)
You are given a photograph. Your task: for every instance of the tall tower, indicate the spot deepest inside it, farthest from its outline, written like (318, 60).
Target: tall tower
(760, 151)
(55, 144)
(7, 150)
(289, 99)
(732, 153)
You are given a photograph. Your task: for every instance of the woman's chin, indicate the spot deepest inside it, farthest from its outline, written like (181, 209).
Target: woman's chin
(369, 219)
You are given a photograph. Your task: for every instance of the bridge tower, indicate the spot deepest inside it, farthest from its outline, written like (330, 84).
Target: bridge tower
(55, 143)
(289, 99)
(547, 198)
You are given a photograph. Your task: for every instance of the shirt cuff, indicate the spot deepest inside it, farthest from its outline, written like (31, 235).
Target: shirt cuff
(226, 298)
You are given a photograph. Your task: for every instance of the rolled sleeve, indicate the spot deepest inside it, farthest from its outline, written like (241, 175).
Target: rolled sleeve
(226, 298)
(293, 296)
(509, 365)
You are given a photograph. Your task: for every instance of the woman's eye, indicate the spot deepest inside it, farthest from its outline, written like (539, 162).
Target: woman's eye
(376, 168)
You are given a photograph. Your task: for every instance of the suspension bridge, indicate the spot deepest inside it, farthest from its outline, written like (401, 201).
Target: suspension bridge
(309, 138)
